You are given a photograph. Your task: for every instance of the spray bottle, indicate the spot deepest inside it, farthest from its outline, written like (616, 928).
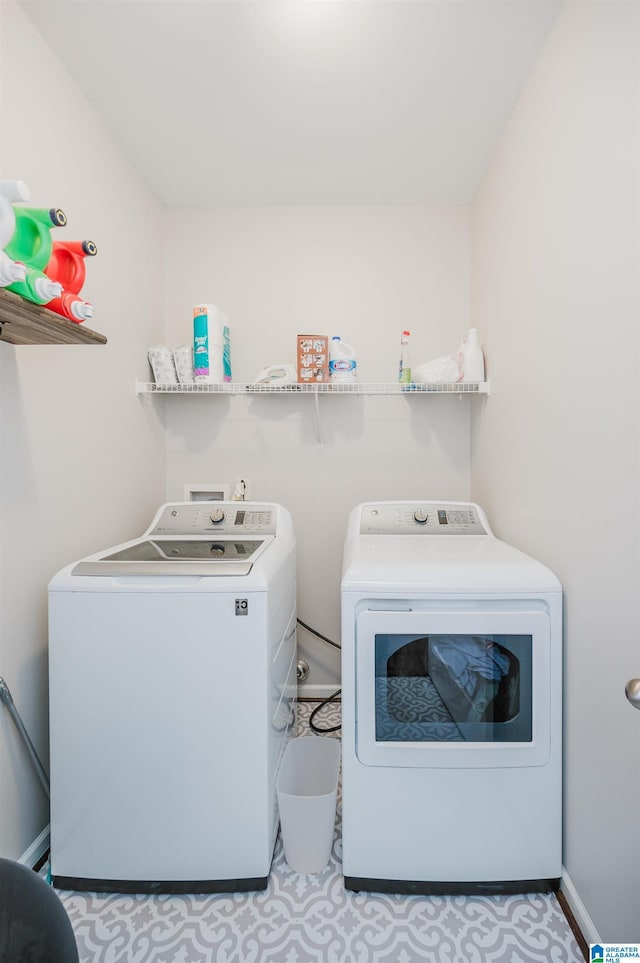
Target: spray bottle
(404, 376)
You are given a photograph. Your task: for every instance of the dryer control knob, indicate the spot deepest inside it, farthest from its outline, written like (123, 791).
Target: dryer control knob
(216, 516)
(420, 516)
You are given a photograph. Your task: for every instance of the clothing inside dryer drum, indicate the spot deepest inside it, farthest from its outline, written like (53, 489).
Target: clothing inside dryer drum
(453, 688)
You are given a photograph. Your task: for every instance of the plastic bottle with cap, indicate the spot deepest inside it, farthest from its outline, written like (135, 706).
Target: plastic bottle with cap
(471, 359)
(404, 374)
(71, 306)
(36, 287)
(31, 242)
(10, 271)
(342, 361)
(67, 263)
(10, 191)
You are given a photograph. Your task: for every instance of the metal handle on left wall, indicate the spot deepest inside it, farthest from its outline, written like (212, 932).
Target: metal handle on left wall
(632, 692)
(5, 696)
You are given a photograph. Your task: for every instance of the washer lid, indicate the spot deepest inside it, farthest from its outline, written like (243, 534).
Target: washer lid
(176, 556)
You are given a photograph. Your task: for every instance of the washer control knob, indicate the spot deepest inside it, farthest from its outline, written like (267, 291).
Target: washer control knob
(420, 516)
(216, 516)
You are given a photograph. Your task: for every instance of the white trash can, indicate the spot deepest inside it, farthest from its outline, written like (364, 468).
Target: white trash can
(307, 790)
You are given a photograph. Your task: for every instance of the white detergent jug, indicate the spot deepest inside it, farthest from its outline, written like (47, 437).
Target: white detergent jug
(10, 270)
(471, 358)
(342, 361)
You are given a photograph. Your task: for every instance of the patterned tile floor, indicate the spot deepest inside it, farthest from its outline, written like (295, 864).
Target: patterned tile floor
(313, 919)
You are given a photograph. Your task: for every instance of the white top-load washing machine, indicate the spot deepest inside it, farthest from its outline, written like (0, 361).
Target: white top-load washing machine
(172, 694)
(451, 705)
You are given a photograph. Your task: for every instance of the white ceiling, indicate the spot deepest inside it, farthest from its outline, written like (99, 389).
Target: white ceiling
(301, 101)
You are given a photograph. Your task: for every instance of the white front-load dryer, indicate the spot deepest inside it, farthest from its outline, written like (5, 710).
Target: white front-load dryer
(172, 694)
(451, 705)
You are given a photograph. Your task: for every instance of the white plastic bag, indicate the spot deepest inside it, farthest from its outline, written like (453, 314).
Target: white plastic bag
(440, 371)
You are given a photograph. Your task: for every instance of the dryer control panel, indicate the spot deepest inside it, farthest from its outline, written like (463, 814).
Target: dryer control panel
(421, 518)
(223, 518)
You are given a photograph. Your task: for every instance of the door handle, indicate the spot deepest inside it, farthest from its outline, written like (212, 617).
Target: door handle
(632, 692)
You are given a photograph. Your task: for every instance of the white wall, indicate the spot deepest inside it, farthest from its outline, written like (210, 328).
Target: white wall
(82, 460)
(555, 287)
(365, 274)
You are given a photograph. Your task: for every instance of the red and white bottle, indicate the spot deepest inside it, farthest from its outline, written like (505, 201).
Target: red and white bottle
(71, 306)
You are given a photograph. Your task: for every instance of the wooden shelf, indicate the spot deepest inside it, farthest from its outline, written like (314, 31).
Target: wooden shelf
(23, 322)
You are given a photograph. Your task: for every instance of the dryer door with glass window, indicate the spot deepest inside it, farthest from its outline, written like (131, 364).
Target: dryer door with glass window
(452, 689)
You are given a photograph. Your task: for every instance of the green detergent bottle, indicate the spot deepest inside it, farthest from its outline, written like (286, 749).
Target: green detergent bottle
(32, 242)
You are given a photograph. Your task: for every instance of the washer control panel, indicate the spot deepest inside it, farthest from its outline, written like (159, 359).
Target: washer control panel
(223, 518)
(421, 518)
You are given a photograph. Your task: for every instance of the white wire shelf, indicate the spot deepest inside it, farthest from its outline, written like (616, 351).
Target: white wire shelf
(339, 388)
